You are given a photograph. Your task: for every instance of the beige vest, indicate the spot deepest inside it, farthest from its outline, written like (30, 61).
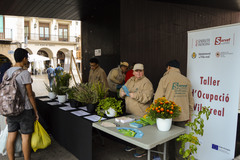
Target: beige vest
(114, 78)
(143, 93)
(98, 75)
(176, 87)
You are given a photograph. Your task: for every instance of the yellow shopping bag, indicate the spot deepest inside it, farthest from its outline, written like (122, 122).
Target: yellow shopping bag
(40, 138)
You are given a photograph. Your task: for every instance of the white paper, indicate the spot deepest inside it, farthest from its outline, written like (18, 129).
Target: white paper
(80, 113)
(45, 99)
(83, 108)
(67, 108)
(94, 118)
(54, 103)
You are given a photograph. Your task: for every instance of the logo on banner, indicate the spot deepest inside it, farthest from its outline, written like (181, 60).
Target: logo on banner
(204, 55)
(221, 41)
(223, 54)
(194, 55)
(202, 42)
(220, 148)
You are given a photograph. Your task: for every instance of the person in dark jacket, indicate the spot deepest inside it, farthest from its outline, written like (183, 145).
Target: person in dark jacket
(3, 68)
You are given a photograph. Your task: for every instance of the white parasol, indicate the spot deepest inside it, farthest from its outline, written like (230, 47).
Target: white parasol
(35, 57)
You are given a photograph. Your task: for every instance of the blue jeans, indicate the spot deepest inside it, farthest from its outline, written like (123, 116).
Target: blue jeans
(50, 81)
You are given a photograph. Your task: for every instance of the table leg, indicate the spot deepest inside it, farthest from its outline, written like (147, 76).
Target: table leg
(165, 151)
(148, 154)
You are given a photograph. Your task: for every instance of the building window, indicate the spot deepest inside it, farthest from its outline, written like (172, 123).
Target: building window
(44, 31)
(63, 32)
(26, 30)
(1, 27)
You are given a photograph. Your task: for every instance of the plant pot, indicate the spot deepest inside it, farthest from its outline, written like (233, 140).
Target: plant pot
(110, 112)
(51, 95)
(62, 98)
(164, 124)
(74, 103)
(91, 108)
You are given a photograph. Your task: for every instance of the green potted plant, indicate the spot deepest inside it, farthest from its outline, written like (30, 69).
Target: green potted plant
(90, 94)
(71, 97)
(111, 107)
(61, 85)
(51, 93)
(162, 111)
(87, 94)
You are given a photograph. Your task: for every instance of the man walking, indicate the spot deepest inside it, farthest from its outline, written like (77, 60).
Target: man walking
(176, 87)
(50, 72)
(25, 120)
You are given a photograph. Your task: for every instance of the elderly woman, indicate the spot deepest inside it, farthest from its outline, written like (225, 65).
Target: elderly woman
(140, 92)
(139, 98)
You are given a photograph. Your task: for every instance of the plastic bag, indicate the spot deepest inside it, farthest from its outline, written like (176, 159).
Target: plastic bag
(40, 138)
(3, 141)
(18, 144)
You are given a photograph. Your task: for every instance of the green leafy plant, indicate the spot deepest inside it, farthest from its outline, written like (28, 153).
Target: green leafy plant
(162, 108)
(70, 92)
(101, 90)
(86, 93)
(196, 129)
(49, 89)
(109, 102)
(61, 83)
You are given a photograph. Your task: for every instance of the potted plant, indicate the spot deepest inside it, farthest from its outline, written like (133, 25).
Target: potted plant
(51, 93)
(61, 85)
(163, 111)
(111, 107)
(87, 94)
(71, 98)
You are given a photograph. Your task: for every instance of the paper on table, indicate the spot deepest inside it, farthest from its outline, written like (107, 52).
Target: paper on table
(94, 118)
(67, 104)
(83, 108)
(54, 103)
(45, 99)
(80, 113)
(68, 108)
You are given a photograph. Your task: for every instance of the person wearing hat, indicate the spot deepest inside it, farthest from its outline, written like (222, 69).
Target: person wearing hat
(140, 97)
(177, 88)
(116, 77)
(96, 73)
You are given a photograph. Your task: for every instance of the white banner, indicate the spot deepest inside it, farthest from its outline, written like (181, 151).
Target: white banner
(213, 69)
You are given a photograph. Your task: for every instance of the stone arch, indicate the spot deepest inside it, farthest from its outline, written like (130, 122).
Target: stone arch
(63, 56)
(48, 51)
(29, 50)
(6, 58)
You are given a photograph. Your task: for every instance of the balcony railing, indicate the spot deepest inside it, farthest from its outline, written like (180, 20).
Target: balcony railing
(33, 36)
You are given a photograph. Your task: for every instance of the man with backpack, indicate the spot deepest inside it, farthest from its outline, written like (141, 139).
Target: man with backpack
(19, 118)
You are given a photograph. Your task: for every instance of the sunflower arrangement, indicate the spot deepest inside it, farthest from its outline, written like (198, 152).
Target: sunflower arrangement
(162, 108)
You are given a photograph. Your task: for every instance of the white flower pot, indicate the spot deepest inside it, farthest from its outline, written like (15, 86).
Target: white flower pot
(110, 112)
(164, 124)
(62, 98)
(51, 95)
